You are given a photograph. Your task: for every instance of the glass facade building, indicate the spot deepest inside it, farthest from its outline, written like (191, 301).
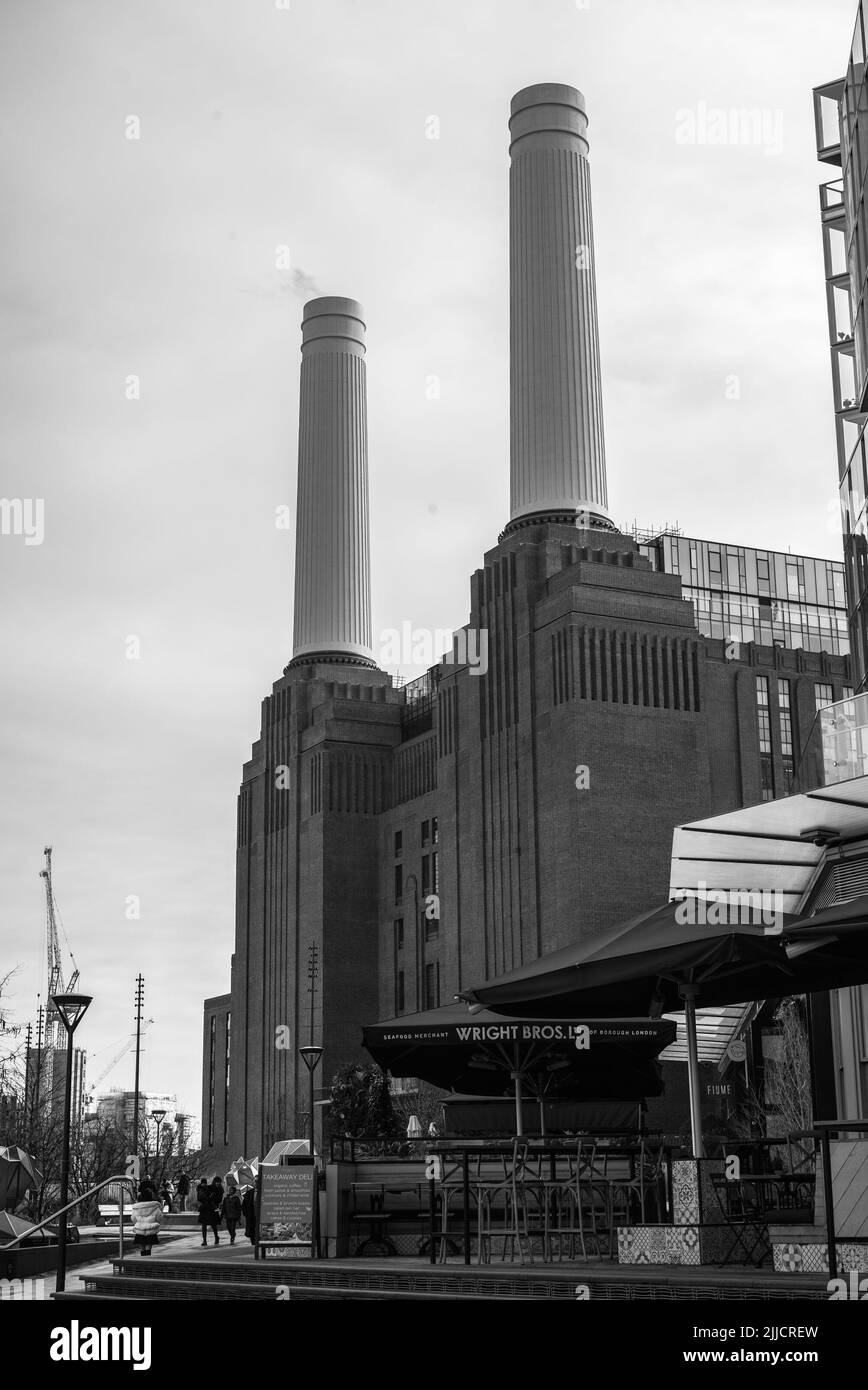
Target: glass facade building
(841, 120)
(764, 596)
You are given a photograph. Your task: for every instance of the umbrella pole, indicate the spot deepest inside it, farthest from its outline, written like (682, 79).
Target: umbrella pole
(516, 1076)
(688, 994)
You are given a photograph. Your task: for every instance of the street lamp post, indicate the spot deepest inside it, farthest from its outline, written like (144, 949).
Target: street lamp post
(71, 1009)
(158, 1116)
(311, 1055)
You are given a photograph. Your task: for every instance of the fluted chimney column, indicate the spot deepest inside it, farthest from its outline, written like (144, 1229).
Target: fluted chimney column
(332, 546)
(557, 454)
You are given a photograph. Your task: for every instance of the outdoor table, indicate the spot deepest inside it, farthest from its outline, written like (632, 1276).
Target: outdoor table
(784, 1186)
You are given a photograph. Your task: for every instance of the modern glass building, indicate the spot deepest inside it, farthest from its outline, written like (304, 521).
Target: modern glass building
(763, 596)
(841, 120)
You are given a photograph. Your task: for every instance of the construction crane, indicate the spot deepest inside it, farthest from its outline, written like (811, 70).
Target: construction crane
(127, 1047)
(56, 984)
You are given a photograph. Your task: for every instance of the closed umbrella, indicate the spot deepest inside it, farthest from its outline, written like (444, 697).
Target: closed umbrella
(414, 1127)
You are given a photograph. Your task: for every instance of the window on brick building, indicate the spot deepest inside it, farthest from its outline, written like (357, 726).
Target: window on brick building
(435, 874)
(432, 985)
(767, 774)
(434, 831)
(426, 831)
(212, 1077)
(400, 1003)
(787, 745)
(399, 883)
(823, 694)
(399, 844)
(399, 934)
(426, 875)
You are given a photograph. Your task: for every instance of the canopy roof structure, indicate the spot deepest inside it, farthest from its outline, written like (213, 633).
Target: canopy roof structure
(715, 1030)
(775, 847)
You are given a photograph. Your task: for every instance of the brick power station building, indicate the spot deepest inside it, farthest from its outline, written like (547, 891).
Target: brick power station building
(524, 791)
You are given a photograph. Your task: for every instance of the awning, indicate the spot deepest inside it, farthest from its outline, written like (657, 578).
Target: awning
(760, 849)
(776, 846)
(715, 1030)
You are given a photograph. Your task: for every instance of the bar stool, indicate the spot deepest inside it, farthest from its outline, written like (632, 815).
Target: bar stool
(580, 1200)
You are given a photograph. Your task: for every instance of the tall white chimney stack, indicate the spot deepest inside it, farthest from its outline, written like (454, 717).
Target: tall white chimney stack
(557, 453)
(332, 545)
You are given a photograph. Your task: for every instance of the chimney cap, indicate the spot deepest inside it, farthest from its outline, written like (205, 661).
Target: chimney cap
(332, 316)
(550, 112)
(547, 94)
(333, 304)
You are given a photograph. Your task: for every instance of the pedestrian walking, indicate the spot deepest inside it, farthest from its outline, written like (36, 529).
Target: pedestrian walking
(248, 1211)
(232, 1211)
(147, 1190)
(182, 1187)
(207, 1208)
(218, 1190)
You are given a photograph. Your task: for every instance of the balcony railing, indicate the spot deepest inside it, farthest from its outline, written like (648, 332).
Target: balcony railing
(832, 195)
(837, 747)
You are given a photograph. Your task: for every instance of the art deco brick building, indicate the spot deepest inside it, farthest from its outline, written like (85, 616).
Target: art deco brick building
(432, 835)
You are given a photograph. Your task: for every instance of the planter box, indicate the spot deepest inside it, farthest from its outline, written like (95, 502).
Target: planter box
(18, 1264)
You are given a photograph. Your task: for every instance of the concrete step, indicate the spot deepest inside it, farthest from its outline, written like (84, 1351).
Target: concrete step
(144, 1289)
(224, 1277)
(73, 1296)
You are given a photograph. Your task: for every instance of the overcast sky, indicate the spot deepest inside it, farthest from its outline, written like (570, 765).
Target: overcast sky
(305, 126)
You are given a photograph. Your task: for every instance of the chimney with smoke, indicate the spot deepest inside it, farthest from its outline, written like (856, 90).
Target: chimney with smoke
(557, 454)
(332, 547)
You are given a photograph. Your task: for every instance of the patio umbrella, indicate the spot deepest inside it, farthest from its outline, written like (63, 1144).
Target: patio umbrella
(18, 1173)
(659, 963)
(830, 947)
(478, 1051)
(414, 1127)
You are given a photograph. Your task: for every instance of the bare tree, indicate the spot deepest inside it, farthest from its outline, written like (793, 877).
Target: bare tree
(782, 1105)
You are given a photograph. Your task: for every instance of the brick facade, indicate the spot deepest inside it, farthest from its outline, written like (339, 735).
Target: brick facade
(595, 662)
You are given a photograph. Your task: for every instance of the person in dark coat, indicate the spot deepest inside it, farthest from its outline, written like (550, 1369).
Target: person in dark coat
(248, 1211)
(219, 1194)
(232, 1211)
(207, 1211)
(182, 1187)
(147, 1190)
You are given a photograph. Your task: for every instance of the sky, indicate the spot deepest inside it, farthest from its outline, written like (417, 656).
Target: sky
(160, 159)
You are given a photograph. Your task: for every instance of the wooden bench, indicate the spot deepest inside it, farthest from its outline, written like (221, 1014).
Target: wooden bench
(109, 1215)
